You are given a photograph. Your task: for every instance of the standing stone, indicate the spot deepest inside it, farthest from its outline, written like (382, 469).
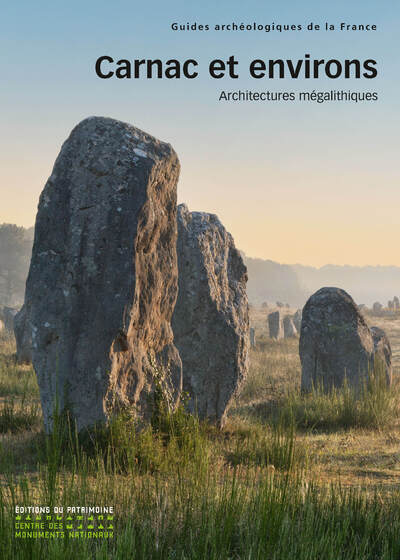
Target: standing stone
(8, 318)
(383, 352)
(289, 329)
(390, 305)
(335, 341)
(396, 303)
(102, 283)
(1, 326)
(377, 307)
(211, 317)
(252, 337)
(275, 324)
(297, 320)
(23, 337)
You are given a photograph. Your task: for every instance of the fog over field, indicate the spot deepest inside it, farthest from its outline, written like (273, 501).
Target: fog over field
(269, 281)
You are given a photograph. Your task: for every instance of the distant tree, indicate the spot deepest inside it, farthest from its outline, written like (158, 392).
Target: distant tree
(15, 253)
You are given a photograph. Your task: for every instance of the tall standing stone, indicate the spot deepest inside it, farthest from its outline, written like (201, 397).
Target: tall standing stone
(335, 341)
(275, 324)
(396, 303)
(211, 317)
(102, 283)
(289, 329)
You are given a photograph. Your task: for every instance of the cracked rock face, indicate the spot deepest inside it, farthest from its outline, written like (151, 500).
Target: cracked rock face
(211, 317)
(102, 283)
(335, 341)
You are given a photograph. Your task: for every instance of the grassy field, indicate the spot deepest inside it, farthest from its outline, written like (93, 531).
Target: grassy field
(290, 476)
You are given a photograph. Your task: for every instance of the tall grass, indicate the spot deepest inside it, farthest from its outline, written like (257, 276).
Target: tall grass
(183, 490)
(265, 446)
(374, 405)
(199, 510)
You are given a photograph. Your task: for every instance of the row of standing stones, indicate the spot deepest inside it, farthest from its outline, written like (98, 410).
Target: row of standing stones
(335, 341)
(284, 326)
(103, 320)
(378, 308)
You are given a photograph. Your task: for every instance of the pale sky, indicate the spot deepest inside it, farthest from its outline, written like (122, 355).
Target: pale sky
(305, 183)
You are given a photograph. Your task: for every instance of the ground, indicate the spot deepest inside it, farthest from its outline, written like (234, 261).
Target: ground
(355, 456)
(183, 489)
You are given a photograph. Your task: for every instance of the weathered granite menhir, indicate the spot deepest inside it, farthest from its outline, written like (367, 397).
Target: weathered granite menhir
(336, 343)
(103, 278)
(211, 318)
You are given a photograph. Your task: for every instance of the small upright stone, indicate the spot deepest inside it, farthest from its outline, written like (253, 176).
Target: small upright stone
(377, 307)
(211, 317)
(383, 352)
(297, 320)
(103, 278)
(275, 325)
(252, 337)
(289, 328)
(8, 318)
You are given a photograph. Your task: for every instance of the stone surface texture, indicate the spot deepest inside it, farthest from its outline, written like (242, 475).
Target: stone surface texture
(103, 278)
(211, 317)
(335, 341)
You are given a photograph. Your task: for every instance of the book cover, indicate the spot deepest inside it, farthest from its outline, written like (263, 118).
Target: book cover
(199, 280)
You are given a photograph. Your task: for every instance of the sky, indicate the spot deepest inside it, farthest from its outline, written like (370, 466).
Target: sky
(293, 182)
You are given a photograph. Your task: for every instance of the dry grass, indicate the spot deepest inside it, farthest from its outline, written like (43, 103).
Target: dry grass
(356, 457)
(194, 485)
